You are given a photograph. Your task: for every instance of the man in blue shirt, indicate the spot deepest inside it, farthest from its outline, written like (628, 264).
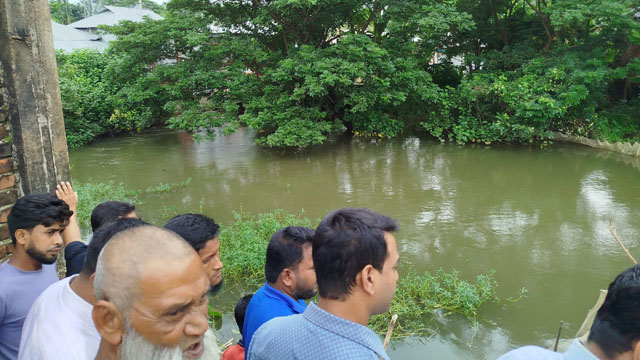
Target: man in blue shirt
(615, 333)
(356, 259)
(291, 279)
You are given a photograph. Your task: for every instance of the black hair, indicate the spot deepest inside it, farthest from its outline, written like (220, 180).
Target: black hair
(617, 324)
(345, 242)
(108, 212)
(37, 209)
(197, 229)
(285, 250)
(241, 309)
(100, 239)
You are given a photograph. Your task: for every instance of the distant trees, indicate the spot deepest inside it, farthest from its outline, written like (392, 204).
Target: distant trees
(508, 70)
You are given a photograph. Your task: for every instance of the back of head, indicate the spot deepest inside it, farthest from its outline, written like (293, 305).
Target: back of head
(285, 250)
(344, 243)
(100, 239)
(241, 309)
(616, 327)
(37, 209)
(195, 228)
(130, 254)
(108, 212)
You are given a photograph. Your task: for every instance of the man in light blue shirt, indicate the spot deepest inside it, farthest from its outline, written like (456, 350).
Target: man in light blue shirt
(355, 258)
(291, 279)
(615, 333)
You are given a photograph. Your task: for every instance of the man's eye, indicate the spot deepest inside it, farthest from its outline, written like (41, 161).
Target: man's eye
(174, 313)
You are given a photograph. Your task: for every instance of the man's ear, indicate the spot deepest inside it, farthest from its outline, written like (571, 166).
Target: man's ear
(288, 277)
(636, 351)
(108, 321)
(23, 236)
(368, 278)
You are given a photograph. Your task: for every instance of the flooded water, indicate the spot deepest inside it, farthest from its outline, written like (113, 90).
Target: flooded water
(538, 217)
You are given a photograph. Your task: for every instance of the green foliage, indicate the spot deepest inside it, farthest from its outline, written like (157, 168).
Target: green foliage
(419, 296)
(91, 195)
(244, 242)
(163, 187)
(65, 12)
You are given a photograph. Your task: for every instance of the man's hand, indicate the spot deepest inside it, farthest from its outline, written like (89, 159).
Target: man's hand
(64, 192)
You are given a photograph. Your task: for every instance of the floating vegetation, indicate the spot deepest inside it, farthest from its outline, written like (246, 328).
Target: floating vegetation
(419, 296)
(244, 242)
(163, 188)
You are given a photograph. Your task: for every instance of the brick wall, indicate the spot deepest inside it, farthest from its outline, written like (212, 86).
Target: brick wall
(8, 174)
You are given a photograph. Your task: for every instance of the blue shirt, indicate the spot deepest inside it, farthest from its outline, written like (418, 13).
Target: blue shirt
(18, 290)
(315, 335)
(266, 304)
(576, 351)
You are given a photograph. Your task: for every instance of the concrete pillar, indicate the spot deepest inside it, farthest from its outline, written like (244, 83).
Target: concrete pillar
(33, 145)
(32, 94)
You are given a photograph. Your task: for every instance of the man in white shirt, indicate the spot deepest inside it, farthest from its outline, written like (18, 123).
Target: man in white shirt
(59, 324)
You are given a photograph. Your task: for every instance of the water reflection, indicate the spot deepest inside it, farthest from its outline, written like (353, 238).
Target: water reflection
(539, 218)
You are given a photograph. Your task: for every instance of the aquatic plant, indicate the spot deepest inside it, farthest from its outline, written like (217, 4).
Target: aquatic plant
(419, 296)
(164, 188)
(244, 242)
(92, 194)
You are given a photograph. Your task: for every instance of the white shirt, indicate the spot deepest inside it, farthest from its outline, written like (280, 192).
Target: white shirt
(59, 326)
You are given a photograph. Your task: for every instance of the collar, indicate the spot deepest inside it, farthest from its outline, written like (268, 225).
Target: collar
(577, 351)
(345, 328)
(298, 306)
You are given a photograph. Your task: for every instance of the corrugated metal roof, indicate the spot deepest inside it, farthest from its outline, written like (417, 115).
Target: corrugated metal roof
(112, 15)
(68, 39)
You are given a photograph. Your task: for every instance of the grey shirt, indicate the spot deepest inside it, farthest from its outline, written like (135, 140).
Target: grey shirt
(315, 335)
(18, 290)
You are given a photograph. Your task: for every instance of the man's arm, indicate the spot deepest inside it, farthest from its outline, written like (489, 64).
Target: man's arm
(64, 192)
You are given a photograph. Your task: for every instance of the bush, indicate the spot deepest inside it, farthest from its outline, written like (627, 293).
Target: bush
(91, 195)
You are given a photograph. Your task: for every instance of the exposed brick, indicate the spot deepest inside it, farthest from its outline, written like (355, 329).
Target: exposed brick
(4, 231)
(4, 214)
(3, 132)
(5, 150)
(5, 250)
(8, 198)
(7, 181)
(6, 165)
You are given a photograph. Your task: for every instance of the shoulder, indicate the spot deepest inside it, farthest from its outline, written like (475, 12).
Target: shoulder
(75, 247)
(531, 353)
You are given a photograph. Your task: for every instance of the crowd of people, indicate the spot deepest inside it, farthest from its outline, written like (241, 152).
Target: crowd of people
(139, 291)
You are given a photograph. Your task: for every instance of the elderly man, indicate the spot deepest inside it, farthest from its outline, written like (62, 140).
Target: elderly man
(63, 310)
(615, 333)
(151, 298)
(356, 259)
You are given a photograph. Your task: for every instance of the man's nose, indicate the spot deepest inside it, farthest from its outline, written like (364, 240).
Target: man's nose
(218, 264)
(58, 240)
(197, 325)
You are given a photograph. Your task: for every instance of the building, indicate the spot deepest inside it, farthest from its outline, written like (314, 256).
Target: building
(69, 39)
(112, 15)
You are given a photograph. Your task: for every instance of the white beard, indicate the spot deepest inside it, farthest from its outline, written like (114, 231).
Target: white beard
(135, 347)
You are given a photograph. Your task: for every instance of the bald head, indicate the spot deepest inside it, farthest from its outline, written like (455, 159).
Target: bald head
(130, 255)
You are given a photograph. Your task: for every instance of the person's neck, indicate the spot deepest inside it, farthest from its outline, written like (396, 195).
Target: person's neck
(348, 309)
(278, 285)
(24, 261)
(83, 287)
(106, 351)
(596, 350)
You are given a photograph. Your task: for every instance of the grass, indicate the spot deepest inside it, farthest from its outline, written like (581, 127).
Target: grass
(92, 194)
(244, 242)
(419, 296)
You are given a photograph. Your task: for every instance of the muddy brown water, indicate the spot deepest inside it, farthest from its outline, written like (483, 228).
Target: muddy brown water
(538, 217)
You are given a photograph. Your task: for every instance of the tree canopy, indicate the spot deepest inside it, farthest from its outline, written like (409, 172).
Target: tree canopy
(462, 70)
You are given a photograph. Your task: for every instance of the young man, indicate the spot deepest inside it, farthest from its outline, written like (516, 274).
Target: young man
(201, 232)
(105, 213)
(151, 298)
(615, 333)
(236, 352)
(356, 259)
(59, 324)
(36, 223)
(291, 279)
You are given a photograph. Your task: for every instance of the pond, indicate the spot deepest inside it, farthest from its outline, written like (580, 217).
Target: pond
(539, 217)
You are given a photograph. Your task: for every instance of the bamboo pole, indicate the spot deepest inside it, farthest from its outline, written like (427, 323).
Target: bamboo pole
(555, 347)
(615, 236)
(392, 325)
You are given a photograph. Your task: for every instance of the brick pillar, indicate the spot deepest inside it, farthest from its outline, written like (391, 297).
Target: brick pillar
(8, 186)
(33, 145)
